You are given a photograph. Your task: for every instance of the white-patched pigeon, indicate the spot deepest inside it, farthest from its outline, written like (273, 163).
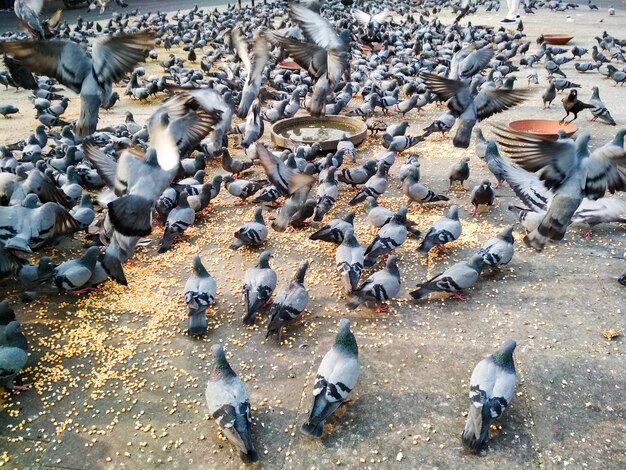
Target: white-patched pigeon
(289, 303)
(381, 286)
(258, 287)
(199, 293)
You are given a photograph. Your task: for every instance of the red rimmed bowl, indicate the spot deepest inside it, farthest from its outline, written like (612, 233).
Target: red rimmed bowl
(543, 127)
(557, 39)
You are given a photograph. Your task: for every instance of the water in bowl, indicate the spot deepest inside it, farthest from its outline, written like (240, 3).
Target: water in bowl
(317, 132)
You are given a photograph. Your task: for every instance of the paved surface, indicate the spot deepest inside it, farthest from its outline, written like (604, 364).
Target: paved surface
(118, 385)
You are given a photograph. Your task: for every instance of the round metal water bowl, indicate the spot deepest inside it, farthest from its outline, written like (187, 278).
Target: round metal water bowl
(327, 130)
(543, 127)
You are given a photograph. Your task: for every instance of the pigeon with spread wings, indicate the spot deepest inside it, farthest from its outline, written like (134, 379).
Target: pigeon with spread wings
(469, 104)
(570, 171)
(254, 63)
(92, 77)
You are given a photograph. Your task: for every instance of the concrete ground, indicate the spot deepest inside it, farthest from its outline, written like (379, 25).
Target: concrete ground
(117, 384)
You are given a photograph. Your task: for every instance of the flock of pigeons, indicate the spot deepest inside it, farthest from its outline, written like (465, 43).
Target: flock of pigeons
(398, 60)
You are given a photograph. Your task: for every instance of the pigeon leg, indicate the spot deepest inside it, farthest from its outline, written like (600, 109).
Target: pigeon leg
(356, 189)
(475, 212)
(460, 297)
(268, 302)
(240, 202)
(85, 290)
(588, 233)
(382, 308)
(415, 209)
(443, 248)
(21, 388)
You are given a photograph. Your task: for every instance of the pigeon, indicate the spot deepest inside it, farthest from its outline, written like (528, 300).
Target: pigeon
(13, 355)
(74, 275)
(293, 207)
(622, 278)
(618, 76)
(91, 77)
(377, 216)
(7, 109)
(549, 95)
(444, 230)
(234, 165)
(381, 286)
(336, 377)
(228, 403)
(258, 287)
(573, 105)
(346, 146)
(200, 201)
(241, 188)
(254, 63)
(335, 230)
(442, 124)
(401, 143)
(200, 290)
(327, 194)
(484, 194)
(599, 110)
(481, 143)
(570, 172)
(459, 277)
(349, 260)
(460, 171)
(498, 251)
(389, 237)
(416, 192)
(7, 314)
(395, 130)
(285, 179)
(251, 233)
(357, 175)
(492, 387)
(83, 212)
(469, 105)
(374, 187)
(289, 303)
(178, 220)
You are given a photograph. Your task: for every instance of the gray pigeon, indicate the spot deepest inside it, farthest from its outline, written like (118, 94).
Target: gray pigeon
(444, 230)
(599, 109)
(258, 286)
(389, 237)
(459, 277)
(254, 64)
(381, 286)
(549, 95)
(336, 377)
(199, 293)
(228, 403)
(13, 355)
(335, 230)
(285, 179)
(327, 194)
(374, 187)
(498, 251)
(492, 388)
(83, 212)
(460, 172)
(570, 171)
(483, 194)
(7, 109)
(251, 233)
(90, 76)
(469, 104)
(349, 260)
(292, 208)
(289, 303)
(357, 175)
(377, 216)
(178, 220)
(74, 275)
(622, 278)
(417, 192)
(481, 143)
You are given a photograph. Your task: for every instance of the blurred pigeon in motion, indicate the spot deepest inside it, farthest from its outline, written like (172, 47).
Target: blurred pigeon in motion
(200, 290)
(349, 260)
(499, 251)
(336, 377)
(285, 179)
(570, 172)
(13, 355)
(258, 286)
(470, 105)
(228, 403)
(251, 233)
(381, 286)
(445, 230)
(254, 63)
(374, 187)
(289, 303)
(455, 279)
(91, 77)
(492, 386)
